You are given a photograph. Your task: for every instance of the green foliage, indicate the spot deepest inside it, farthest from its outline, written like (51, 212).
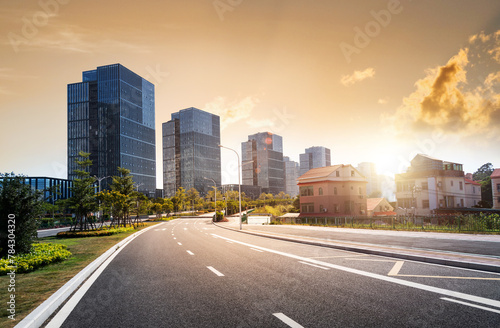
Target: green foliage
(277, 210)
(39, 256)
(23, 205)
(219, 216)
(93, 233)
(483, 172)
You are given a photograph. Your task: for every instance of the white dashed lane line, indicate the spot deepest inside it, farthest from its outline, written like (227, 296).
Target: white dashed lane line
(215, 271)
(287, 320)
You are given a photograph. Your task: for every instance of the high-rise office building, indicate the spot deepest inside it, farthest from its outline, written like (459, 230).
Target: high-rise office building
(191, 151)
(314, 157)
(292, 170)
(111, 115)
(262, 162)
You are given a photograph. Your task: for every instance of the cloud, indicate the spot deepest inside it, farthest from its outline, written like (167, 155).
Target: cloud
(231, 112)
(446, 100)
(357, 76)
(383, 101)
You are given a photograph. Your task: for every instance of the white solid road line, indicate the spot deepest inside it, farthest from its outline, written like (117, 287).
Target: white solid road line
(215, 271)
(257, 250)
(470, 304)
(287, 320)
(437, 290)
(190, 253)
(314, 265)
(179, 244)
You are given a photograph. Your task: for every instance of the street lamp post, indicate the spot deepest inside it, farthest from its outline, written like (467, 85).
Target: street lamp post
(239, 179)
(215, 193)
(99, 190)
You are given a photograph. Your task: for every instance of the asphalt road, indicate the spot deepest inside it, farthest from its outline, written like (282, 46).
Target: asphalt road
(189, 273)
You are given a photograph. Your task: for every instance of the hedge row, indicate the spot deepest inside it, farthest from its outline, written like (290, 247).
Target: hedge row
(93, 233)
(40, 255)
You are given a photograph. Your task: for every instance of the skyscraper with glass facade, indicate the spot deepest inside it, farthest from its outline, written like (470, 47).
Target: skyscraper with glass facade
(262, 162)
(314, 157)
(191, 151)
(292, 170)
(111, 115)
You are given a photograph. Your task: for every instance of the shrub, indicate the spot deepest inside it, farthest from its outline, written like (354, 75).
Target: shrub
(40, 255)
(93, 233)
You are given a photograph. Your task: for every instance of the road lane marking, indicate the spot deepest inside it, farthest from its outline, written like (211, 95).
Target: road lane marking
(257, 250)
(164, 229)
(190, 253)
(230, 242)
(395, 269)
(175, 238)
(314, 265)
(185, 228)
(179, 244)
(215, 271)
(337, 256)
(437, 290)
(470, 304)
(287, 320)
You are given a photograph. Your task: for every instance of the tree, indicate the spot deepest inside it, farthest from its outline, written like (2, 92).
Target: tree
(83, 201)
(142, 204)
(123, 188)
(181, 198)
(192, 196)
(53, 191)
(483, 174)
(19, 207)
(167, 206)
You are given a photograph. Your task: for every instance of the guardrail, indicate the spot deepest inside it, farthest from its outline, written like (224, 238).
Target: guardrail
(489, 223)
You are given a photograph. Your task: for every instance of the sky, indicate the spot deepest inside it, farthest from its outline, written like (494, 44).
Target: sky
(374, 81)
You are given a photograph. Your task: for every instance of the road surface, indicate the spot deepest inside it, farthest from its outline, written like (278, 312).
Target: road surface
(190, 273)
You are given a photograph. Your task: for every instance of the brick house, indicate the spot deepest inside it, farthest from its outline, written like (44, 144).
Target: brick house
(338, 190)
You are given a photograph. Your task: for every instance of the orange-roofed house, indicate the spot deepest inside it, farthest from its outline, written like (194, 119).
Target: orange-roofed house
(379, 207)
(338, 190)
(495, 186)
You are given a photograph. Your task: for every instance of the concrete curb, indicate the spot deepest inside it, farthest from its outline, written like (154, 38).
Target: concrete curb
(412, 257)
(39, 315)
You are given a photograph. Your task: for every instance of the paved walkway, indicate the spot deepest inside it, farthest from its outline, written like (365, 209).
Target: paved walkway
(480, 252)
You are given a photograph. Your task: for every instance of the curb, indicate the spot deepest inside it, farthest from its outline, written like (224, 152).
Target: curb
(38, 316)
(418, 258)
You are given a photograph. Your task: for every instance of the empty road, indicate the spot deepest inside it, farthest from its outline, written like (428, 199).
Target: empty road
(190, 273)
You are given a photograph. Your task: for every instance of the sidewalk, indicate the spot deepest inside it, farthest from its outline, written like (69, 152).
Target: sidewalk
(480, 252)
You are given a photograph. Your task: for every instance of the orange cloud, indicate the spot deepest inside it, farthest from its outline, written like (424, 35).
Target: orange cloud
(357, 76)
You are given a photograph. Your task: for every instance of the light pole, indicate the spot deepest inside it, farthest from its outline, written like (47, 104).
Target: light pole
(99, 191)
(239, 179)
(215, 193)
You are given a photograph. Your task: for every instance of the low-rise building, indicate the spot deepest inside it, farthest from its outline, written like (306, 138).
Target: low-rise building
(379, 207)
(472, 193)
(495, 187)
(338, 190)
(431, 184)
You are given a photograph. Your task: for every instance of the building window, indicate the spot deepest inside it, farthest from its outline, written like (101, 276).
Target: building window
(473, 190)
(425, 186)
(461, 202)
(337, 174)
(352, 173)
(336, 208)
(451, 183)
(360, 190)
(498, 187)
(461, 184)
(321, 208)
(306, 191)
(335, 190)
(307, 208)
(320, 191)
(425, 203)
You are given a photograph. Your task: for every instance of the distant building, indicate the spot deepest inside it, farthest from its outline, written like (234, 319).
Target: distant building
(262, 162)
(431, 184)
(191, 151)
(495, 186)
(314, 157)
(338, 190)
(472, 193)
(374, 181)
(43, 184)
(291, 170)
(379, 207)
(252, 192)
(111, 115)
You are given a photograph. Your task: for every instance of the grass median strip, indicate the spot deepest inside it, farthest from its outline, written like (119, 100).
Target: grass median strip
(35, 287)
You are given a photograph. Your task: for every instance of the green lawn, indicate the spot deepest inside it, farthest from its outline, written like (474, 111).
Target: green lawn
(35, 287)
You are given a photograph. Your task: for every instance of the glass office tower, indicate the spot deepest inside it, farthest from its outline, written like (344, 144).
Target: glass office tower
(314, 157)
(191, 152)
(111, 115)
(262, 162)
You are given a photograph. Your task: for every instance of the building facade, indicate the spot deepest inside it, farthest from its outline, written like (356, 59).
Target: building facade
(495, 187)
(314, 157)
(431, 184)
(472, 193)
(191, 151)
(111, 115)
(262, 162)
(338, 190)
(379, 207)
(291, 171)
